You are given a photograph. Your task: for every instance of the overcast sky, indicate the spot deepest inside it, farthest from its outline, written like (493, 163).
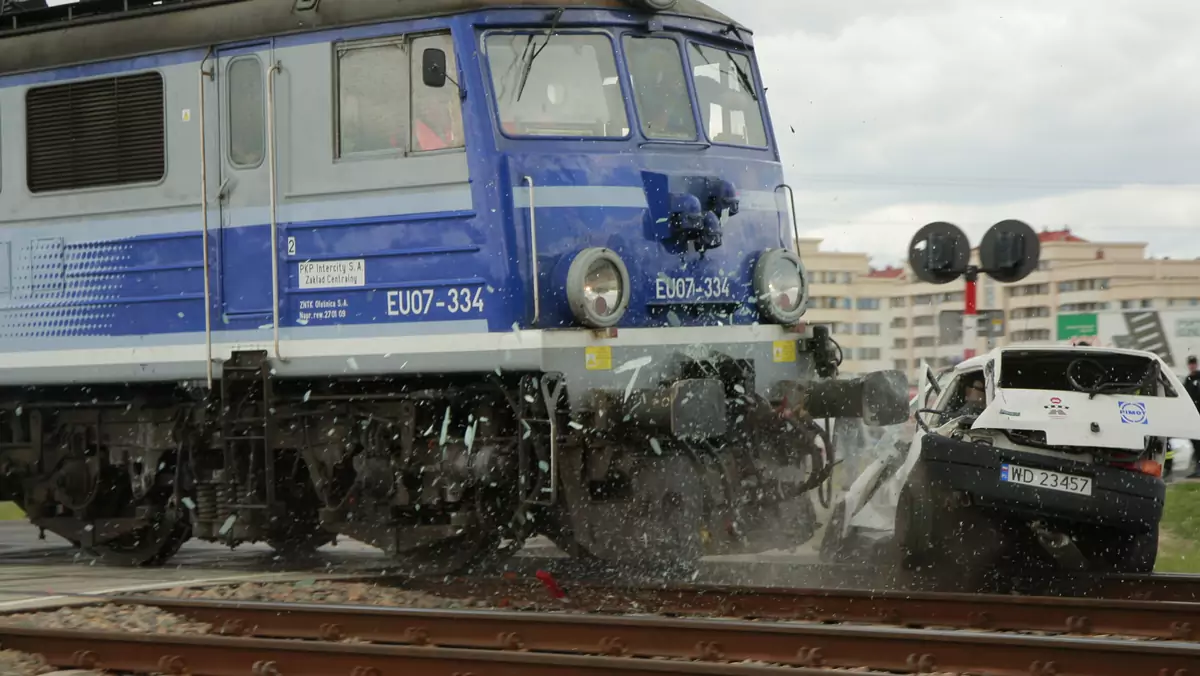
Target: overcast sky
(1062, 112)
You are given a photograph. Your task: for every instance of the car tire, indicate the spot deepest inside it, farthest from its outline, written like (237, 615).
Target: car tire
(1122, 552)
(833, 546)
(914, 531)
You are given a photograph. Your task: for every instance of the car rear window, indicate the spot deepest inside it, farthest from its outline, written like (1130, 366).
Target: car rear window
(1104, 372)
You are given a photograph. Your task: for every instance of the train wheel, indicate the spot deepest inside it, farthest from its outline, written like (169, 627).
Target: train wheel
(480, 544)
(456, 555)
(655, 525)
(301, 537)
(152, 545)
(300, 545)
(473, 550)
(299, 534)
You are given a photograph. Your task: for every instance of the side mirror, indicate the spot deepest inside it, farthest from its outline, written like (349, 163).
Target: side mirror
(433, 68)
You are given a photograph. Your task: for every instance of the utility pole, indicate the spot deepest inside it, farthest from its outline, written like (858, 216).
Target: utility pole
(970, 311)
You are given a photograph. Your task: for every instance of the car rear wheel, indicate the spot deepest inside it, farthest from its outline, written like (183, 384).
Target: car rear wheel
(1121, 552)
(914, 532)
(833, 546)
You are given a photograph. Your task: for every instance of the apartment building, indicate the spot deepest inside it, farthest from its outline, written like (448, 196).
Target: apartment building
(845, 295)
(886, 318)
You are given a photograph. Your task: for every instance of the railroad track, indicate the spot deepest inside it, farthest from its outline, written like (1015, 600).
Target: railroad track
(287, 639)
(1150, 619)
(691, 629)
(1148, 587)
(1164, 620)
(781, 573)
(223, 656)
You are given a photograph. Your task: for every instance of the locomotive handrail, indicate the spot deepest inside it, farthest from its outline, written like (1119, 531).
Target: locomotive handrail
(208, 362)
(551, 400)
(275, 67)
(792, 206)
(537, 295)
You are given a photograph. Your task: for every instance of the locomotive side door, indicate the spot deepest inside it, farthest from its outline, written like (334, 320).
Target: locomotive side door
(239, 184)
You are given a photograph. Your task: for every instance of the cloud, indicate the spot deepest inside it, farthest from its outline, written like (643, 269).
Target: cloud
(1065, 112)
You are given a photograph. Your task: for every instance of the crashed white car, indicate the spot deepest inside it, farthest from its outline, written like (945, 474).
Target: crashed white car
(1057, 459)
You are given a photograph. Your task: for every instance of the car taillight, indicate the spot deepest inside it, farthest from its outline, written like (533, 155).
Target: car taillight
(1145, 466)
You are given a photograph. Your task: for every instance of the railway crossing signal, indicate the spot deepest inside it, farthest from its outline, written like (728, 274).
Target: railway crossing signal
(940, 253)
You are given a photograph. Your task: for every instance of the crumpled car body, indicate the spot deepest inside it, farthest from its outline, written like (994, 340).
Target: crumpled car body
(1063, 460)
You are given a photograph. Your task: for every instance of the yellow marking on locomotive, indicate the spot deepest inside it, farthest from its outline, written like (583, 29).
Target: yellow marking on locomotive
(784, 351)
(598, 358)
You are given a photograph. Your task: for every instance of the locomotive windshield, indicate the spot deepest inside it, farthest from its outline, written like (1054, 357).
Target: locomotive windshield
(557, 85)
(567, 84)
(660, 88)
(728, 104)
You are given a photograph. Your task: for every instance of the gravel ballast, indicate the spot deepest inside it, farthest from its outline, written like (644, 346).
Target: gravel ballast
(108, 618)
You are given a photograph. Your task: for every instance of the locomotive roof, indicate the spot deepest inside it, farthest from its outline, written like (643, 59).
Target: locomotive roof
(200, 23)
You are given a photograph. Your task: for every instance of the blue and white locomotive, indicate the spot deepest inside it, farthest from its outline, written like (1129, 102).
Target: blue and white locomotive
(437, 275)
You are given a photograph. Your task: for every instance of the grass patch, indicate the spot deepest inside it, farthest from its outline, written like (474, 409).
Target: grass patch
(10, 512)
(1179, 536)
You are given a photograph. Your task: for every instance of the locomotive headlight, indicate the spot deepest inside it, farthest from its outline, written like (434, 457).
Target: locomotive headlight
(781, 286)
(655, 5)
(598, 288)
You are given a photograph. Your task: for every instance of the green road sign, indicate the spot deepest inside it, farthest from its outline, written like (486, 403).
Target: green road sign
(1077, 326)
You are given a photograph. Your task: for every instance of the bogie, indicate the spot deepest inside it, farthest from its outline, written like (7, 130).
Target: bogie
(442, 473)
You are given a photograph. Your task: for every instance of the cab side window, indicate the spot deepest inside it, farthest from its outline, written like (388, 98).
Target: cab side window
(385, 104)
(372, 82)
(437, 120)
(966, 396)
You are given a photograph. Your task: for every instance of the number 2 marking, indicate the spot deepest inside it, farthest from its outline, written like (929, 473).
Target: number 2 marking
(291, 246)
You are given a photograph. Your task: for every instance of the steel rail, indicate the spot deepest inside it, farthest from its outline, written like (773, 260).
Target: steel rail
(795, 644)
(223, 656)
(1150, 587)
(1147, 619)
(783, 574)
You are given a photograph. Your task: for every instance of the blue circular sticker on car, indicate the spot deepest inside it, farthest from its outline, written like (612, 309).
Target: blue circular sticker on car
(1134, 413)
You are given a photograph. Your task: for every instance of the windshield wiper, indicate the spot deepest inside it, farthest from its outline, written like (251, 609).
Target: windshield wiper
(741, 73)
(1115, 388)
(558, 13)
(737, 69)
